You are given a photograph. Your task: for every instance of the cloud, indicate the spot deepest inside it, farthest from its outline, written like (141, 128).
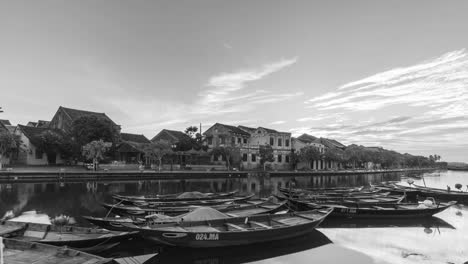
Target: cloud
(279, 122)
(418, 107)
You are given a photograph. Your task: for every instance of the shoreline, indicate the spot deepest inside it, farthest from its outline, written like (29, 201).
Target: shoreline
(60, 175)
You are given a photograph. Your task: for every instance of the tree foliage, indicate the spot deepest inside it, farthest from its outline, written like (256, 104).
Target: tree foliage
(96, 149)
(309, 154)
(8, 144)
(232, 155)
(158, 150)
(266, 155)
(91, 128)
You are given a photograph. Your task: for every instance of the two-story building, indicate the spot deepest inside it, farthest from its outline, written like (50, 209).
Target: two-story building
(322, 144)
(249, 140)
(30, 154)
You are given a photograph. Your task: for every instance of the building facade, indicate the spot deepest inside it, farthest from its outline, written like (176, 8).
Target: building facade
(30, 154)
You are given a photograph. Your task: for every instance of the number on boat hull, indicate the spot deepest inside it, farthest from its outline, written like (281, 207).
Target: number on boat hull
(207, 236)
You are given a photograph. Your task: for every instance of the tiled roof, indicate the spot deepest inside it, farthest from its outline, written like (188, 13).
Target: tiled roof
(269, 130)
(5, 122)
(129, 146)
(134, 138)
(32, 133)
(247, 129)
(75, 114)
(307, 138)
(11, 129)
(174, 134)
(234, 129)
(43, 123)
(31, 124)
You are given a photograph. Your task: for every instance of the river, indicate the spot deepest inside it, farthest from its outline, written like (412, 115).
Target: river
(443, 239)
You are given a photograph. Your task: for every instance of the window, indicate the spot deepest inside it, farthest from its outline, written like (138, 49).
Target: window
(223, 140)
(253, 158)
(210, 141)
(286, 142)
(272, 141)
(239, 140)
(245, 141)
(280, 158)
(244, 157)
(233, 140)
(259, 132)
(287, 158)
(38, 154)
(215, 158)
(280, 142)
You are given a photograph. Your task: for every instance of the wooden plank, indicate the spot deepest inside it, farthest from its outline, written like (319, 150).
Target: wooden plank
(260, 224)
(235, 226)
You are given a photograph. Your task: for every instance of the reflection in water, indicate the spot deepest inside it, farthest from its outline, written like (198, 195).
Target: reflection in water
(440, 239)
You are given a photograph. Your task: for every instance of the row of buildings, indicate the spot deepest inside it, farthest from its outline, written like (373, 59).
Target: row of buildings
(130, 146)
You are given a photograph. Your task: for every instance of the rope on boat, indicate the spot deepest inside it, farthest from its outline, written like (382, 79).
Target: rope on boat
(112, 207)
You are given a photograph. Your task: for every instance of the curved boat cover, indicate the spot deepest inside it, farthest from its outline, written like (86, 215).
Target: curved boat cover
(203, 214)
(186, 195)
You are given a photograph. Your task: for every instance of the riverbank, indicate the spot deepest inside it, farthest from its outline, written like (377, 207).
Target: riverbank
(76, 174)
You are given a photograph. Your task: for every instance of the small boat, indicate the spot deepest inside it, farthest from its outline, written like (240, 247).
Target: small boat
(349, 201)
(25, 252)
(201, 202)
(411, 193)
(126, 210)
(185, 196)
(442, 194)
(87, 239)
(396, 210)
(117, 223)
(262, 252)
(375, 198)
(300, 192)
(235, 231)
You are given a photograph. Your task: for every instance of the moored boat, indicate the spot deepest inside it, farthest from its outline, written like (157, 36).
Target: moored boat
(117, 223)
(83, 238)
(442, 194)
(201, 202)
(235, 231)
(185, 196)
(396, 210)
(383, 198)
(25, 252)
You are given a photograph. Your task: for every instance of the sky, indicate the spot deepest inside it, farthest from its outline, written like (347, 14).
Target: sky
(374, 73)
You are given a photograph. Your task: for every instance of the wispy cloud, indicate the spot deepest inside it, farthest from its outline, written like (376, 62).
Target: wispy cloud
(416, 107)
(224, 91)
(279, 122)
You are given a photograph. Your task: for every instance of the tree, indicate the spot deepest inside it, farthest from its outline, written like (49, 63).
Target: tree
(158, 150)
(191, 131)
(90, 128)
(334, 154)
(196, 139)
(95, 150)
(309, 154)
(8, 144)
(266, 155)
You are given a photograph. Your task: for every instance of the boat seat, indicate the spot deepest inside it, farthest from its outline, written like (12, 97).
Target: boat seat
(260, 224)
(231, 215)
(407, 207)
(235, 227)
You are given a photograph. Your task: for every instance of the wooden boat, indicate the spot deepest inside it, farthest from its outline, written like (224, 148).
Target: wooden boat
(411, 193)
(301, 192)
(125, 210)
(442, 194)
(375, 198)
(396, 210)
(325, 190)
(77, 237)
(186, 196)
(346, 201)
(116, 223)
(201, 202)
(25, 252)
(235, 231)
(243, 254)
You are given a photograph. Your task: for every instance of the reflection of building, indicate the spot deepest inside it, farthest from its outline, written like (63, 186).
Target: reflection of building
(248, 140)
(30, 154)
(131, 147)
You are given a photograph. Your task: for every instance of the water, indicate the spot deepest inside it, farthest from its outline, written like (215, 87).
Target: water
(443, 239)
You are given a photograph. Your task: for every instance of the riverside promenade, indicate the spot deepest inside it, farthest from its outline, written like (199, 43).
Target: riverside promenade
(79, 174)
